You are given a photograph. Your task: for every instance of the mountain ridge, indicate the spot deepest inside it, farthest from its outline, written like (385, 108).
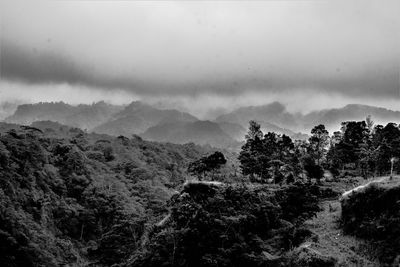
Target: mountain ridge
(138, 117)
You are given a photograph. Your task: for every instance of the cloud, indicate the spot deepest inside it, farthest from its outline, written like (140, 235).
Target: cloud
(177, 49)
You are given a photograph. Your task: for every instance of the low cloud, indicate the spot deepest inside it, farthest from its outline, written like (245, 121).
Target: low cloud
(349, 49)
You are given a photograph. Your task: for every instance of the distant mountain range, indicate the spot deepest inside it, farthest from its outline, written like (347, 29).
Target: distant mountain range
(332, 118)
(81, 116)
(171, 125)
(275, 117)
(199, 132)
(137, 117)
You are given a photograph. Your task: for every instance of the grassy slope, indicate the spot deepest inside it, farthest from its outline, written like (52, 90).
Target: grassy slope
(331, 239)
(373, 213)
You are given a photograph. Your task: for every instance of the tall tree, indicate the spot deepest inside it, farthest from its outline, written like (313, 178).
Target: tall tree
(249, 156)
(319, 141)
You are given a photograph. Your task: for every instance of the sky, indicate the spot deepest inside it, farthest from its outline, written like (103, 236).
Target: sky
(203, 56)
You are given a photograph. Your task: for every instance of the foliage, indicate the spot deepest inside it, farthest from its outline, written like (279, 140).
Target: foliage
(71, 198)
(313, 170)
(374, 214)
(216, 225)
(207, 164)
(318, 142)
(269, 156)
(366, 147)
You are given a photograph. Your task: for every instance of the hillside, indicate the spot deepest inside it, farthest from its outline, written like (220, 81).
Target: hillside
(275, 117)
(333, 117)
(274, 114)
(72, 198)
(80, 199)
(199, 132)
(81, 116)
(372, 213)
(234, 130)
(137, 117)
(143, 119)
(68, 197)
(212, 224)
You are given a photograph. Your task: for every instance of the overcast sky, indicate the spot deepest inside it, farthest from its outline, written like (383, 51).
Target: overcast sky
(307, 54)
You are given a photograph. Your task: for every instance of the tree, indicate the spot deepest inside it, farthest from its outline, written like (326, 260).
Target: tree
(318, 142)
(260, 156)
(313, 170)
(209, 163)
(254, 131)
(386, 141)
(350, 145)
(370, 123)
(250, 156)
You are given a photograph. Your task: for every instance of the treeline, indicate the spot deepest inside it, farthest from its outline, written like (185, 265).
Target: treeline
(360, 148)
(367, 148)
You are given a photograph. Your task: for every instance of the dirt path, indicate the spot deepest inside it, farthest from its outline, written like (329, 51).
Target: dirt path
(377, 180)
(349, 251)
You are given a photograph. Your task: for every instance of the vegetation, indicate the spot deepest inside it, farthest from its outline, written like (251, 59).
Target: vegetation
(72, 198)
(207, 164)
(373, 213)
(83, 198)
(269, 156)
(216, 225)
(365, 148)
(360, 148)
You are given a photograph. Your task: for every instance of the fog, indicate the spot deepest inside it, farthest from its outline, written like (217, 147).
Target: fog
(203, 56)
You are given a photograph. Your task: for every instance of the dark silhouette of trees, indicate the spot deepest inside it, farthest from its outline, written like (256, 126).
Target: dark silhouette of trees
(319, 141)
(250, 156)
(207, 164)
(365, 148)
(271, 156)
(313, 170)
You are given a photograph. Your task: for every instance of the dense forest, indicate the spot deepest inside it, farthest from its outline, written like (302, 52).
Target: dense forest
(70, 198)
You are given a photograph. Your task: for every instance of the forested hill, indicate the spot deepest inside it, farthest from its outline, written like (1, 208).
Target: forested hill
(75, 198)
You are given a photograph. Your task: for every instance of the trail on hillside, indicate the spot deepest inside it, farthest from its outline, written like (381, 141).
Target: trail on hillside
(378, 180)
(348, 250)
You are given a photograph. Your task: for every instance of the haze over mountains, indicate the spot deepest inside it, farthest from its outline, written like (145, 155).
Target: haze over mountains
(172, 125)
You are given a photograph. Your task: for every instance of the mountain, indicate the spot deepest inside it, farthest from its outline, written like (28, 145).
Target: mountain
(176, 126)
(273, 113)
(82, 116)
(270, 127)
(28, 113)
(332, 118)
(90, 116)
(234, 130)
(137, 117)
(199, 132)
(274, 117)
